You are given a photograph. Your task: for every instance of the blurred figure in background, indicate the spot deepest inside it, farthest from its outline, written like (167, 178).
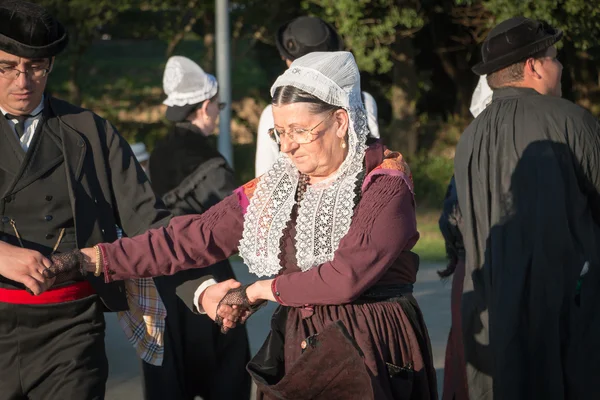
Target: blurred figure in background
(372, 121)
(190, 175)
(455, 374)
(295, 39)
(142, 155)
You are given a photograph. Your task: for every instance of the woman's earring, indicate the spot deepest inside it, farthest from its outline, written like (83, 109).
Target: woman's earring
(343, 144)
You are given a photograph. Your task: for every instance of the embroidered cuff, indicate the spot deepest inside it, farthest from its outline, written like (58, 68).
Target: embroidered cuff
(107, 272)
(276, 293)
(203, 286)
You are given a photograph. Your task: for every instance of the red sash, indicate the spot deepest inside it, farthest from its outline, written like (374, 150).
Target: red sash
(72, 292)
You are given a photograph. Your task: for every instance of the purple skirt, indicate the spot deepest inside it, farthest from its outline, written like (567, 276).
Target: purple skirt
(391, 336)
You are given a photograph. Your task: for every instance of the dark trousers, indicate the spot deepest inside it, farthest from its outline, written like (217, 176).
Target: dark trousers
(198, 359)
(53, 351)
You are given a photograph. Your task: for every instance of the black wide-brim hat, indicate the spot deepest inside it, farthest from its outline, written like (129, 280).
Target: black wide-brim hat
(28, 30)
(305, 35)
(514, 40)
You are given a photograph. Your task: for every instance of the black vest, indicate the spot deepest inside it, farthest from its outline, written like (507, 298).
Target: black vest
(35, 202)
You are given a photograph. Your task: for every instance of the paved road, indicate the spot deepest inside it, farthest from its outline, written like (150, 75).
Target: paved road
(433, 297)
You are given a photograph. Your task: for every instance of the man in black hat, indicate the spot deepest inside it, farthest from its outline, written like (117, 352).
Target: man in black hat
(67, 179)
(528, 185)
(294, 39)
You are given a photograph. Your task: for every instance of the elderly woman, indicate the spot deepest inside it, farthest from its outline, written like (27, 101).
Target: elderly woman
(335, 220)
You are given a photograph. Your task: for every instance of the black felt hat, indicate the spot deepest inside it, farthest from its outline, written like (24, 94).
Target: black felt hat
(28, 30)
(514, 40)
(305, 35)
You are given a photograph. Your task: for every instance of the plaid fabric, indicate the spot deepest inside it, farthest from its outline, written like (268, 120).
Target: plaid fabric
(144, 322)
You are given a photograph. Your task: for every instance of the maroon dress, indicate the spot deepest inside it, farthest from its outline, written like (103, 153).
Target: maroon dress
(374, 254)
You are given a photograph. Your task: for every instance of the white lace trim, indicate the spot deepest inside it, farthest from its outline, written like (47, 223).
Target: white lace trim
(325, 212)
(267, 215)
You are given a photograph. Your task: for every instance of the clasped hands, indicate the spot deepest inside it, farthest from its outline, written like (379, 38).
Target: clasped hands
(36, 272)
(229, 303)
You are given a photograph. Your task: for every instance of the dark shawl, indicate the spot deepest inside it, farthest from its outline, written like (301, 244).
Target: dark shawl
(178, 155)
(190, 176)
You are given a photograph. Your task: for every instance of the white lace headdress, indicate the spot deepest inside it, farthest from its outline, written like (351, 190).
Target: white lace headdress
(326, 208)
(184, 82)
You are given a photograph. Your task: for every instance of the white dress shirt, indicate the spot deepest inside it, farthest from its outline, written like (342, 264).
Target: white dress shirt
(205, 285)
(30, 125)
(267, 150)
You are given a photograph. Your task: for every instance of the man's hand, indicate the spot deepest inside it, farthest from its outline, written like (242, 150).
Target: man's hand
(210, 298)
(24, 266)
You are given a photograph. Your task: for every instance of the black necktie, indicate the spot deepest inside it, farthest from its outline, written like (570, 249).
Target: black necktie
(20, 125)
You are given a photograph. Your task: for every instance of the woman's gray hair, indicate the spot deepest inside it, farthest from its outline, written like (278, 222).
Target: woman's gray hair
(285, 95)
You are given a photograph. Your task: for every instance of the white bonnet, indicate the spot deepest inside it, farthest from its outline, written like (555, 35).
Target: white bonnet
(184, 82)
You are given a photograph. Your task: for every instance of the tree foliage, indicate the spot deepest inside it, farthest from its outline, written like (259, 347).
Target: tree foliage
(415, 58)
(415, 55)
(85, 19)
(579, 19)
(370, 28)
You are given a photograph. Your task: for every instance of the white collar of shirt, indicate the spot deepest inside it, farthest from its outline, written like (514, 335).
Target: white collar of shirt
(30, 125)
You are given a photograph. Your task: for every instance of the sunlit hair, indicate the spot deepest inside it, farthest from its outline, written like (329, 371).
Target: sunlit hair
(513, 73)
(285, 95)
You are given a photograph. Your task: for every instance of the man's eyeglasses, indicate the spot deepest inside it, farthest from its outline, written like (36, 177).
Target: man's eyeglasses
(297, 135)
(12, 73)
(221, 105)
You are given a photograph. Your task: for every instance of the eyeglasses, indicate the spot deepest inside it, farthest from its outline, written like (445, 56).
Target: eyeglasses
(12, 73)
(298, 135)
(221, 105)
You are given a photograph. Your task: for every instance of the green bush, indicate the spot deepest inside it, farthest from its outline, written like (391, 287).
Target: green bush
(431, 175)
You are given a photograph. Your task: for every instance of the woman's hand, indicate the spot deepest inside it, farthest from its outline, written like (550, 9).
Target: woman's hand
(89, 259)
(260, 290)
(67, 266)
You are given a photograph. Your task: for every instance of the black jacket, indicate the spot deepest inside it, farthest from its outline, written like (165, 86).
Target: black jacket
(528, 182)
(188, 172)
(191, 176)
(107, 187)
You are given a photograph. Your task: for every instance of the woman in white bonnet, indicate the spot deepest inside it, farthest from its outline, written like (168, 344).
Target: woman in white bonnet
(334, 220)
(190, 175)
(294, 39)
